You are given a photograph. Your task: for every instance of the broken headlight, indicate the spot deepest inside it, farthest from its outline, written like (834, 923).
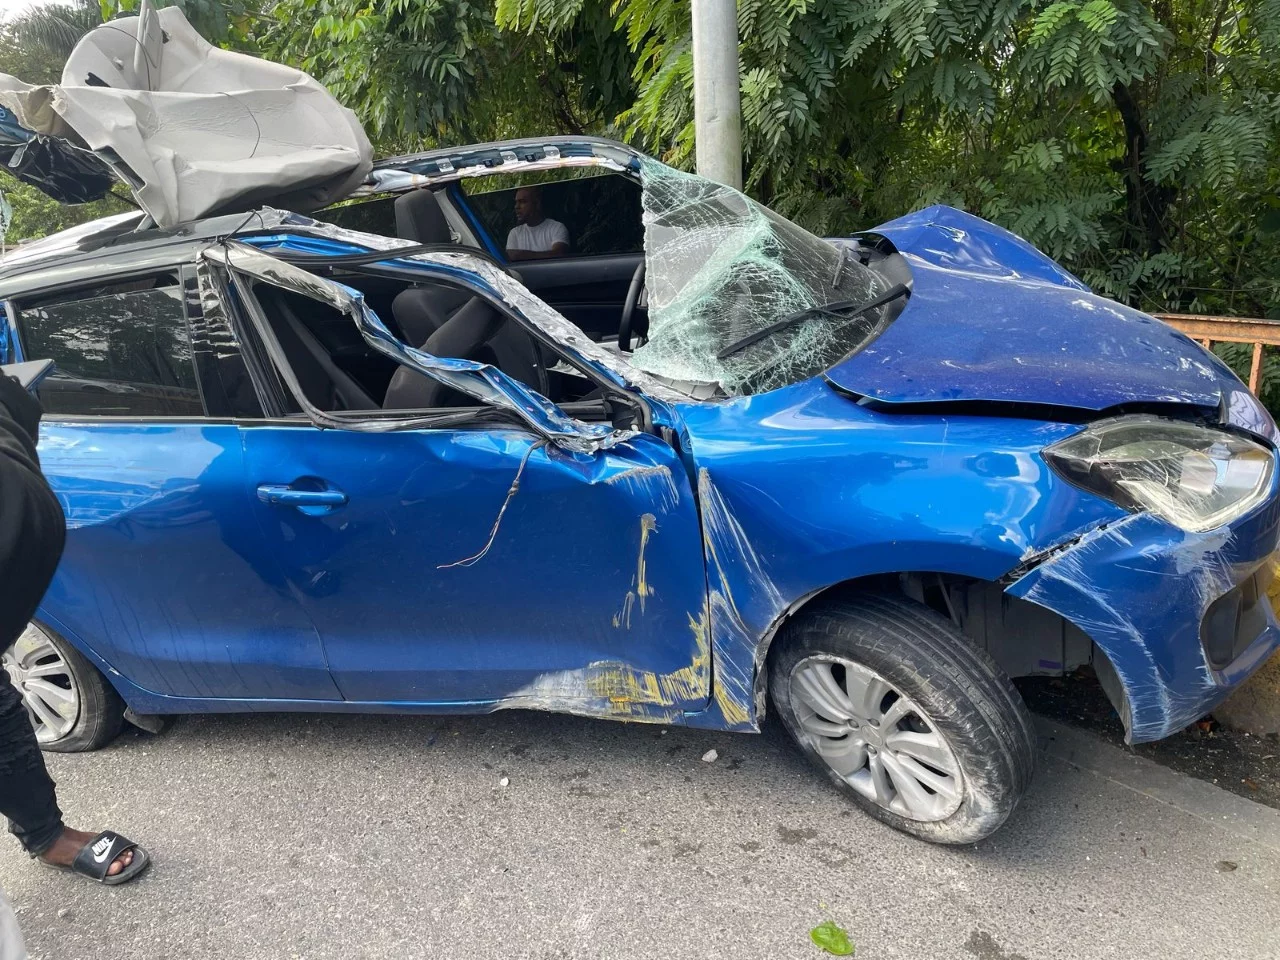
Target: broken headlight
(1195, 477)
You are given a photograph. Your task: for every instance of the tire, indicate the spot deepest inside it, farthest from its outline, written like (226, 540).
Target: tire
(956, 750)
(92, 711)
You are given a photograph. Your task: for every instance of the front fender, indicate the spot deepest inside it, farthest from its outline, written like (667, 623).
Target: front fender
(801, 489)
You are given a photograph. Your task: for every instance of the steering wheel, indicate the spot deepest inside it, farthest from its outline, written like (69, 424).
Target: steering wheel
(629, 308)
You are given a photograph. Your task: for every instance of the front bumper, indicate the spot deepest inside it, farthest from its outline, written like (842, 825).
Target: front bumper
(1141, 589)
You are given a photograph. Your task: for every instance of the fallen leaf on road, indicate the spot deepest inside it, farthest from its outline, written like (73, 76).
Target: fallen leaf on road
(832, 939)
(1226, 866)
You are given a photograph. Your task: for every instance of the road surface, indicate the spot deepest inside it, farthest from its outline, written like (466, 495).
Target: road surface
(389, 837)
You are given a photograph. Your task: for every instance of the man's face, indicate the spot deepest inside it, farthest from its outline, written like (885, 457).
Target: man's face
(528, 206)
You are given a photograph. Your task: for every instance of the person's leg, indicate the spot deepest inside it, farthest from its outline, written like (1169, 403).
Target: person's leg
(27, 796)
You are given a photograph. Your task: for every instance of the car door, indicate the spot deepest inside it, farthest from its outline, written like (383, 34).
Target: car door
(164, 577)
(526, 561)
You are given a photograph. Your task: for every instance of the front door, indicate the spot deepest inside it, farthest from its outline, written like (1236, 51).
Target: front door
(434, 577)
(547, 565)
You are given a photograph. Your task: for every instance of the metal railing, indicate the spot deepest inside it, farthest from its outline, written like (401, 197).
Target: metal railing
(1209, 330)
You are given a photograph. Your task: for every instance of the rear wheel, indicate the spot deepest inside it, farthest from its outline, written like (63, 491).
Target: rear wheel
(911, 721)
(71, 705)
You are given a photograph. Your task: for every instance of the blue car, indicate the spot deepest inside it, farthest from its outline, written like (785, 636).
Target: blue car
(547, 425)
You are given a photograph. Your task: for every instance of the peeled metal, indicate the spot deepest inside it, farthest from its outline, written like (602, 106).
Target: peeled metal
(192, 129)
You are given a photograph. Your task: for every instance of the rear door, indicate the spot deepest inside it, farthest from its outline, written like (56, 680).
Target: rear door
(164, 577)
(515, 556)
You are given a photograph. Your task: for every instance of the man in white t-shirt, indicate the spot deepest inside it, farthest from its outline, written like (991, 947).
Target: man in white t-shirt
(535, 237)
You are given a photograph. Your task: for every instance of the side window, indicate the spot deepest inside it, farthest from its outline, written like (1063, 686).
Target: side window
(120, 350)
(600, 214)
(376, 216)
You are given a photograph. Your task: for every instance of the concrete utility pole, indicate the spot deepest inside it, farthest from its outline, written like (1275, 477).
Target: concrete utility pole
(717, 104)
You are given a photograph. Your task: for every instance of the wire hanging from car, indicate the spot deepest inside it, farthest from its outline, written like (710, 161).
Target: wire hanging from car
(511, 492)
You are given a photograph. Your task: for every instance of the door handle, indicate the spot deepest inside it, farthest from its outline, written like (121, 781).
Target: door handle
(311, 502)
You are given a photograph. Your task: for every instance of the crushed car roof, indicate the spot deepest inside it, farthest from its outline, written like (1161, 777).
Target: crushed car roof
(191, 129)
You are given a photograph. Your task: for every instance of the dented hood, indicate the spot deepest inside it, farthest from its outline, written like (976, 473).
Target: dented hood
(991, 319)
(191, 129)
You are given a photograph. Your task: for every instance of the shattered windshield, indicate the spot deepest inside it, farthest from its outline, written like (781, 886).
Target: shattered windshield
(725, 272)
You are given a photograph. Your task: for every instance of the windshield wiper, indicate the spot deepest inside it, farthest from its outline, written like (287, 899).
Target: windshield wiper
(839, 310)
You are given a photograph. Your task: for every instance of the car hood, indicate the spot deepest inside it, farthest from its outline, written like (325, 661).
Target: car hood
(993, 320)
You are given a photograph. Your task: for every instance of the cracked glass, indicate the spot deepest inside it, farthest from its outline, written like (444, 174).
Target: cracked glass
(724, 272)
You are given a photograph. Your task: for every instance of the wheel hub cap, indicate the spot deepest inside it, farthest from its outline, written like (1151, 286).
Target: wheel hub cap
(876, 739)
(44, 679)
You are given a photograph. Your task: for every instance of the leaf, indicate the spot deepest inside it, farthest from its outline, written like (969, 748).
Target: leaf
(832, 938)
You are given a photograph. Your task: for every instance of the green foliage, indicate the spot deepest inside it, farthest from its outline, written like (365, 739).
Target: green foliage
(34, 46)
(438, 71)
(832, 939)
(35, 215)
(1134, 140)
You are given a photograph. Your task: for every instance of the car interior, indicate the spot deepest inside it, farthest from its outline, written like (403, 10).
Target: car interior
(339, 371)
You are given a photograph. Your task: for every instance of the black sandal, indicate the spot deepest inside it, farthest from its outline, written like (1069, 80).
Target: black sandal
(96, 856)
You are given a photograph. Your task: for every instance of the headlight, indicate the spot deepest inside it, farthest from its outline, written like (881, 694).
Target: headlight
(1195, 477)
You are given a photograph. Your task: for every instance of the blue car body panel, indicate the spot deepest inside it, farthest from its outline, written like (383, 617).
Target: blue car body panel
(801, 489)
(979, 329)
(955, 240)
(165, 576)
(1140, 589)
(433, 585)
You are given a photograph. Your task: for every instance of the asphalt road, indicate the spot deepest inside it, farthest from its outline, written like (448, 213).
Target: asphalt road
(380, 837)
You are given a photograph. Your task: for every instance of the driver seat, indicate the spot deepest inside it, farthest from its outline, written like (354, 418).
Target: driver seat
(478, 332)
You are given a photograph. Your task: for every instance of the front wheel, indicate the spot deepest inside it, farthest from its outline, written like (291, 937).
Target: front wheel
(72, 706)
(915, 724)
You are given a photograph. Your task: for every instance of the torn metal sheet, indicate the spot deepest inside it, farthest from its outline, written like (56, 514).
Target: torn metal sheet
(479, 380)
(194, 129)
(391, 180)
(495, 280)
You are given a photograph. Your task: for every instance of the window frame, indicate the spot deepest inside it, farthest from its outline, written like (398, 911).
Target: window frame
(265, 360)
(54, 294)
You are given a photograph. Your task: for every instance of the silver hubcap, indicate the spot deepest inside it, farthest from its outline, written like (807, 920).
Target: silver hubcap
(44, 679)
(880, 742)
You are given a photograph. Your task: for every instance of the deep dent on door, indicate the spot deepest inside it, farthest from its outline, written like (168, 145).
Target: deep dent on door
(618, 690)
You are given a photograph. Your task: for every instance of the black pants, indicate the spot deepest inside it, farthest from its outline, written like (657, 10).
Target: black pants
(26, 789)
(32, 531)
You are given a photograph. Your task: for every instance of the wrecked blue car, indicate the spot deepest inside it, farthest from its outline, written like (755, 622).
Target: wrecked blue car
(688, 464)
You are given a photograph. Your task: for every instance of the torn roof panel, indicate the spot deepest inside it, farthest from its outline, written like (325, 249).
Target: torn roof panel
(191, 128)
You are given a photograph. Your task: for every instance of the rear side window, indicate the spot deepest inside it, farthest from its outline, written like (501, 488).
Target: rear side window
(377, 216)
(121, 350)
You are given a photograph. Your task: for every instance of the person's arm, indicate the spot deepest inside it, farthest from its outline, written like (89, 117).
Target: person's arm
(559, 240)
(514, 252)
(32, 527)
